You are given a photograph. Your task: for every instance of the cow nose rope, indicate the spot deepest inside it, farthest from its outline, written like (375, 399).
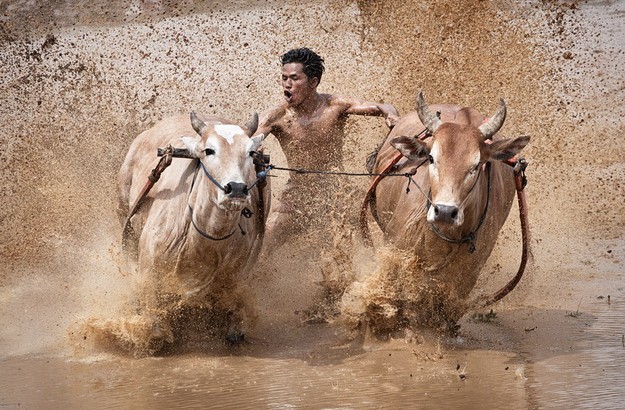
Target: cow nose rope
(245, 211)
(226, 190)
(471, 236)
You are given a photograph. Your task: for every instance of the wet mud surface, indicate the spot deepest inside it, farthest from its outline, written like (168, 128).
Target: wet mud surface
(79, 81)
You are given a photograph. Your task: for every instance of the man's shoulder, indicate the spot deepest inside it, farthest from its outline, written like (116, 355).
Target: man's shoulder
(333, 98)
(273, 114)
(340, 100)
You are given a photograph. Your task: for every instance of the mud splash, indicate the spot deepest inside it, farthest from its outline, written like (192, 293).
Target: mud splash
(77, 88)
(400, 296)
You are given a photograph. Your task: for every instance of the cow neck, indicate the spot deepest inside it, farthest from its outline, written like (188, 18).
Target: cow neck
(198, 229)
(471, 237)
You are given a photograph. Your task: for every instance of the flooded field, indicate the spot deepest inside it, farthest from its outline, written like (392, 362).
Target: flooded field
(79, 81)
(525, 358)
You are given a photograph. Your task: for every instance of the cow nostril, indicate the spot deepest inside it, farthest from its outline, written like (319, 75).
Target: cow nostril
(446, 213)
(236, 189)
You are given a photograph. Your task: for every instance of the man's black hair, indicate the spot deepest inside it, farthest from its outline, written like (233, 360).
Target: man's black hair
(313, 64)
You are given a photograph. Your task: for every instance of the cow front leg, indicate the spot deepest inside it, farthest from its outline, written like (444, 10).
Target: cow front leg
(238, 315)
(234, 332)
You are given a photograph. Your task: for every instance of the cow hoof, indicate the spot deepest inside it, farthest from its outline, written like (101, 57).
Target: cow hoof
(158, 338)
(451, 328)
(235, 337)
(162, 332)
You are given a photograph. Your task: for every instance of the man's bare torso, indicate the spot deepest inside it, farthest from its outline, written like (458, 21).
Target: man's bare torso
(310, 140)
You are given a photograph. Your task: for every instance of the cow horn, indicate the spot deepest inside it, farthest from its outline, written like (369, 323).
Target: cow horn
(430, 121)
(493, 125)
(252, 125)
(198, 124)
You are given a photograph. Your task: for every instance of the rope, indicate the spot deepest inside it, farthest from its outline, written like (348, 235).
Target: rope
(197, 229)
(213, 180)
(353, 174)
(471, 236)
(154, 176)
(520, 182)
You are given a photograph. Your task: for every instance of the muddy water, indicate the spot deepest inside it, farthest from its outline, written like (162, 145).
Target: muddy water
(516, 362)
(78, 82)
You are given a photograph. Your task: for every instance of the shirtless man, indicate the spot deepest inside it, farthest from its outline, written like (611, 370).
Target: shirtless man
(310, 129)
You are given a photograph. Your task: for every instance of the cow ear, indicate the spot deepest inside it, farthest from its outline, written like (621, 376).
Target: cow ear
(192, 144)
(410, 148)
(507, 148)
(256, 141)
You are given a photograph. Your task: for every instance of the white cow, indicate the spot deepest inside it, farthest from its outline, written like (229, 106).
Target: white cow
(200, 227)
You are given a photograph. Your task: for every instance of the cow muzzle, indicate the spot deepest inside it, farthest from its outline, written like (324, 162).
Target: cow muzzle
(235, 196)
(236, 190)
(445, 214)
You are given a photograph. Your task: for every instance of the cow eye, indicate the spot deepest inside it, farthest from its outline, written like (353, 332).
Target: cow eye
(209, 151)
(431, 159)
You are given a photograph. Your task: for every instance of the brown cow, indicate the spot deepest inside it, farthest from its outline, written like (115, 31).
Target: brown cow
(200, 227)
(449, 221)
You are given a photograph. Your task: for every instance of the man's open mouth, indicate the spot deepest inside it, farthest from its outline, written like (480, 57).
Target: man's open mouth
(287, 94)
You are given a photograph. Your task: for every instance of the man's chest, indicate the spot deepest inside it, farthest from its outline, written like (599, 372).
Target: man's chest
(327, 124)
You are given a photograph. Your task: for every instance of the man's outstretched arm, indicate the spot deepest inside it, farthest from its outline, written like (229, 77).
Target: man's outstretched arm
(356, 106)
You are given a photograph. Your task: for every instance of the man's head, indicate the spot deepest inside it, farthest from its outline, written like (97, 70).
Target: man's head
(311, 62)
(301, 73)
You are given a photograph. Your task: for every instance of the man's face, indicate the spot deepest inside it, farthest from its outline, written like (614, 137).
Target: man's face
(296, 85)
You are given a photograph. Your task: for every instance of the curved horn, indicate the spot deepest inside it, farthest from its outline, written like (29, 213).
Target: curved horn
(430, 121)
(197, 124)
(493, 125)
(252, 125)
